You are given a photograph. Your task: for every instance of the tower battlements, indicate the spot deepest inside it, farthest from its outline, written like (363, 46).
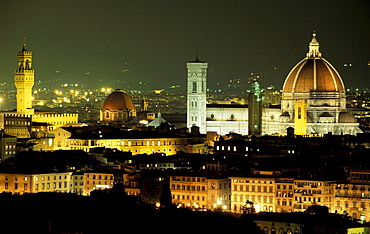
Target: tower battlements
(24, 71)
(24, 52)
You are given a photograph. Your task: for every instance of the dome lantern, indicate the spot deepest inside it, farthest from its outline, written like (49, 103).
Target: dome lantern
(314, 47)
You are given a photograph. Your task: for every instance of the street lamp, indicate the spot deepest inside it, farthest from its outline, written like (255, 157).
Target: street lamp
(1, 101)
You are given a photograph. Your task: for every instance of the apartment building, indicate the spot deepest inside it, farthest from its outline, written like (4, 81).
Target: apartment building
(284, 194)
(97, 181)
(200, 192)
(313, 192)
(353, 197)
(34, 183)
(64, 182)
(261, 190)
(15, 183)
(52, 182)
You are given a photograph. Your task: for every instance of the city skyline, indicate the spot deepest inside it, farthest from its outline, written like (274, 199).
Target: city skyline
(121, 44)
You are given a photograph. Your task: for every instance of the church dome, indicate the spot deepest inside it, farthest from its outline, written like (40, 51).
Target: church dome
(118, 100)
(345, 117)
(313, 73)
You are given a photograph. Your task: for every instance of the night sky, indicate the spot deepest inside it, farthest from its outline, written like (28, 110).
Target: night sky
(120, 43)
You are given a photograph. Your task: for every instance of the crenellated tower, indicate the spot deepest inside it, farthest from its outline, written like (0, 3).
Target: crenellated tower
(24, 81)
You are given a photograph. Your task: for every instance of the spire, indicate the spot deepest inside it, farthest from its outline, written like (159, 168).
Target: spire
(314, 47)
(24, 48)
(196, 58)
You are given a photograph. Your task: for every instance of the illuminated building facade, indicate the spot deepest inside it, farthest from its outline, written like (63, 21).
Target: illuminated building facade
(136, 142)
(313, 192)
(284, 194)
(259, 190)
(34, 183)
(97, 181)
(200, 192)
(353, 198)
(63, 182)
(52, 182)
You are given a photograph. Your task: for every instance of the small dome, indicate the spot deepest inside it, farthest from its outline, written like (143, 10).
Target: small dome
(118, 100)
(326, 114)
(285, 114)
(345, 117)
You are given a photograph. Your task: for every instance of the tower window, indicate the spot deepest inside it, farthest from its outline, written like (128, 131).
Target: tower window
(194, 86)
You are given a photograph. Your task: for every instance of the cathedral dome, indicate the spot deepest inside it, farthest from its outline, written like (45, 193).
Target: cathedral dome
(118, 100)
(313, 73)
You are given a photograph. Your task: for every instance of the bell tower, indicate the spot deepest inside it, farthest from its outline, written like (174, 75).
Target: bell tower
(197, 95)
(24, 81)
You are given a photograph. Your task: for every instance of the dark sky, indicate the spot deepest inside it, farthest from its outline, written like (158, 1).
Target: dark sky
(97, 42)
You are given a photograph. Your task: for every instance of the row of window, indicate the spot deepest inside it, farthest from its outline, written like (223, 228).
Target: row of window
(126, 143)
(353, 194)
(188, 198)
(252, 181)
(99, 177)
(10, 146)
(308, 199)
(253, 198)
(353, 187)
(254, 188)
(310, 192)
(354, 204)
(188, 187)
(186, 178)
(18, 123)
(99, 182)
(38, 186)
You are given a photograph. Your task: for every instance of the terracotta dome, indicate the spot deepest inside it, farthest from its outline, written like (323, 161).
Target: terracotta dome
(313, 73)
(118, 100)
(345, 117)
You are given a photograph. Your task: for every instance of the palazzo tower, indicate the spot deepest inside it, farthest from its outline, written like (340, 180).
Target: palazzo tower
(24, 81)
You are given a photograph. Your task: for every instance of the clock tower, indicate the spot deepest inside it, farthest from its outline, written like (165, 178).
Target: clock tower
(24, 81)
(197, 95)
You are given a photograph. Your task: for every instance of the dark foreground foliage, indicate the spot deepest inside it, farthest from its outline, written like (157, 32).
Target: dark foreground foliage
(69, 213)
